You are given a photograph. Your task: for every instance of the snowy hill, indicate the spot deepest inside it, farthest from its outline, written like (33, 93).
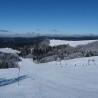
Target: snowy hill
(8, 50)
(71, 43)
(65, 79)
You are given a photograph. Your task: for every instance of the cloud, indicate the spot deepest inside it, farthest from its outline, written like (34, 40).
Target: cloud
(56, 31)
(4, 31)
(38, 30)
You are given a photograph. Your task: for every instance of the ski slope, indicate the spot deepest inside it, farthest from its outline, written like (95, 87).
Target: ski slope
(72, 79)
(71, 43)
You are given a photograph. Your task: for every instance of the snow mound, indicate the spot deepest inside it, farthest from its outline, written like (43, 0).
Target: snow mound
(8, 50)
(71, 43)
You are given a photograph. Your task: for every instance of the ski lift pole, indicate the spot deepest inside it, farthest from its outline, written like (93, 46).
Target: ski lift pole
(18, 71)
(18, 74)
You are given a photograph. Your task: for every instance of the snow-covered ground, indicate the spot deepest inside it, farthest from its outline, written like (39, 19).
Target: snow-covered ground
(8, 50)
(71, 43)
(72, 79)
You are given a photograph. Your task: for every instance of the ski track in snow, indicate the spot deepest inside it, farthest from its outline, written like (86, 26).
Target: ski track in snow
(72, 79)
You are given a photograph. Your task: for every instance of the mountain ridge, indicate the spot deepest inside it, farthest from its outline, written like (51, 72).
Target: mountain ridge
(11, 34)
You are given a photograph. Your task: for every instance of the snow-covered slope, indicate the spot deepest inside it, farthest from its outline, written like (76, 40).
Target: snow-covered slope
(8, 50)
(72, 79)
(71, 43)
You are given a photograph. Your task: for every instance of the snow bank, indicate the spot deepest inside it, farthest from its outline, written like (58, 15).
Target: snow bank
(8, 50)
(71, 43)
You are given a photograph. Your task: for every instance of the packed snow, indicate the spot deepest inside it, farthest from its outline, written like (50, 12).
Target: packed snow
(8, 50)
(58, 79)
(71, 43)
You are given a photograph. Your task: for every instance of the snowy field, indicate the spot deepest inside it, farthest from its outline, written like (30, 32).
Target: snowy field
(71, 43)
(65, 79)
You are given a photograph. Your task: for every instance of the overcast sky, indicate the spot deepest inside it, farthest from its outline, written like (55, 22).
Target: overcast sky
(50, 16)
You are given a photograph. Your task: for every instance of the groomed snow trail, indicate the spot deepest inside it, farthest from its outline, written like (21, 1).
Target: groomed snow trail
(72, 79)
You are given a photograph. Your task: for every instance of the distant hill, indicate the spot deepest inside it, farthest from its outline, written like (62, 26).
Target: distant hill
(15, 42)
(34, 35)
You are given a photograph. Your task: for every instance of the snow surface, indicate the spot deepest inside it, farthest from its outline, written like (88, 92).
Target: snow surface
(71, 43)
(72, 79)
(8, 50)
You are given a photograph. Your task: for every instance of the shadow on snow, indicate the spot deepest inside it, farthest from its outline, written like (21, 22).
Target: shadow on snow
(4, 82)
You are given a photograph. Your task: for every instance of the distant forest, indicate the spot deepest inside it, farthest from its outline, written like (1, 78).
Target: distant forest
(22, 41)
